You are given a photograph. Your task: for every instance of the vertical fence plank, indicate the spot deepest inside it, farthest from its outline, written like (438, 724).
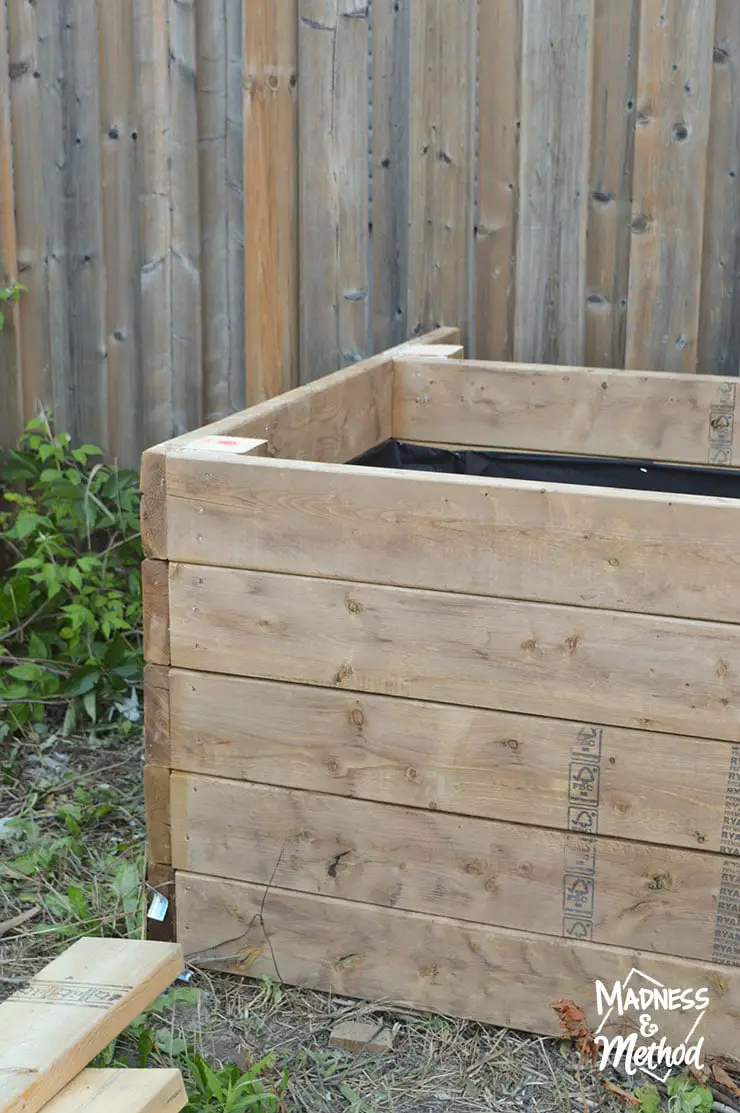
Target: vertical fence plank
(152, 52)
(237, 398)
(119, 131)
(499, 90)
(719, 315)
(610, 187)
(673, 105)
(212, 80)
(553, 206)
(11, 411)
(390, 100)
(54, 144)
(270, 33)
(334, 265)
(85, 275)
(442, 165)
(31, 213)
(187, 360)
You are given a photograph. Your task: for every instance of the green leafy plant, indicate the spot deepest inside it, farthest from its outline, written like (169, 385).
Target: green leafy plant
(684, 1096)
(70, 596)
(8, 294)
(231, 1090)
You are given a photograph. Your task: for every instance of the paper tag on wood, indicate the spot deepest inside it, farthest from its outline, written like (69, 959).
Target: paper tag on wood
(158, 908)
(239, 446)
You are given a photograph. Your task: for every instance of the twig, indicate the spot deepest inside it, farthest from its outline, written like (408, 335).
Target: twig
(16, 921)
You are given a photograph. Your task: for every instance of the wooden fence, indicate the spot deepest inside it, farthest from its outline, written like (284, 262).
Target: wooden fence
(185, 194)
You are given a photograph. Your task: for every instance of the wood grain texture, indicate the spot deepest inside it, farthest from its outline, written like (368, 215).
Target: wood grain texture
(647, 415)
(674, 97)
(499, 102)
(626, 894)
(271, 196)
(441, 165)
(487, 974)
(641, 671)
(30, 205)
(614, 96)
(119, 129)
(235, 254)
(652, 787)
(333, 142)
(311, 422)
(122, 1091)
(83, 225)
(391, 41)
(557, 50)
(624, 550)
(153, 505)
(184, 198)
(157, 715)
(156, 606)
(72, 1009)
(152, 64)
(11, 414)
(213, 76)
(719, 316)
(157, 806)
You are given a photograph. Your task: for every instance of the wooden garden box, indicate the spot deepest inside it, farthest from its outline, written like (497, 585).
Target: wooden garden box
(459, 744)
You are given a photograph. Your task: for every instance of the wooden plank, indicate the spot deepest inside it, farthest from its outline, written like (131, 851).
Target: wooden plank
(487, 974)
(517, 768)
(616, 37)
(120, 222)
(500, 32)
(333, 142)
(122, 1091)
(598, 547)
(673, 110)
(391, 34)
(152, 60)
(83, 227)
(626, 894)
(213, 76)
(644, 415)
(156, 604)
(719, 315)
(54, 215)
(72, 1010)
(557, 50)
(157, 805)
(629, 670)
(235, 258)
(271, 196)
(11, 415)
(157, 715)
(312, 421)
(441, 165)
(153, 505)
(30, 202)
(184, 197)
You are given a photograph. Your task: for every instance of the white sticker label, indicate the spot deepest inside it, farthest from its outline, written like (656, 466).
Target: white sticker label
(237, 445)
(158, 907)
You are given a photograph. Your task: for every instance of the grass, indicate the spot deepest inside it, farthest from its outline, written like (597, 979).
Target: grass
(72, 856)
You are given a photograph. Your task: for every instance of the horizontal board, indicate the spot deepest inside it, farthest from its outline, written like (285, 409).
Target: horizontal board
(598, 547)
(549, 882)
(406, 959)
(659, 788)
(630, 670)
(643, 415)
(122, 1091)
(72, 1010)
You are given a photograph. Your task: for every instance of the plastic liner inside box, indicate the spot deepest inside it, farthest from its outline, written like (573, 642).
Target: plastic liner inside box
(589, 471)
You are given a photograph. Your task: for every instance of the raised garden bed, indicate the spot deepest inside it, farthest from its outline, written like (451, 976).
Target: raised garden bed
(439, 737)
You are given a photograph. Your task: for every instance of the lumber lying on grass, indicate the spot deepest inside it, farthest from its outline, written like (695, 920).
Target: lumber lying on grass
(51, 1029)
(121, 1091)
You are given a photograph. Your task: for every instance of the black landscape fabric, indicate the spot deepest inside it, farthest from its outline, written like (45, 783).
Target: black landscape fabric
(590, 471)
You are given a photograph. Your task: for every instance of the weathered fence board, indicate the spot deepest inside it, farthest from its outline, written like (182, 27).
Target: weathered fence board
(190, 195)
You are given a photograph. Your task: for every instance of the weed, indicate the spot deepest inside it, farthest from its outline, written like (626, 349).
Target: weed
(70, 599)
